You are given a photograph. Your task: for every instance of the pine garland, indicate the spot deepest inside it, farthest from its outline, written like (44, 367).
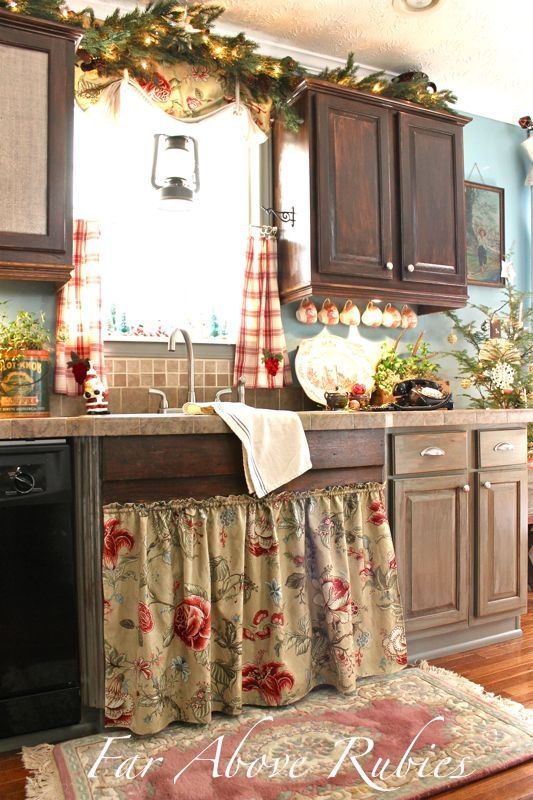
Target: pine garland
(166, 32)
(378, 83)
(498, 368)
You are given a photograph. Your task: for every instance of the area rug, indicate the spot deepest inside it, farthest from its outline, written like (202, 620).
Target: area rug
(404, 736)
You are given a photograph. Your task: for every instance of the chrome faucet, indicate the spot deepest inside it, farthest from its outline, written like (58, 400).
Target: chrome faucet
(228, 390)
(191, 396)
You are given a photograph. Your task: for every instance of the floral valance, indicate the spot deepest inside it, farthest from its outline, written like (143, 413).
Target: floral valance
(212, 605)
(186, 92)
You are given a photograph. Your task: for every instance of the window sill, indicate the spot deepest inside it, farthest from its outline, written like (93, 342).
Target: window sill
(145, 347)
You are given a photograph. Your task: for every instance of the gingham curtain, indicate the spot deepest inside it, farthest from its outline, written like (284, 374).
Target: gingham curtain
(79, 310)
(261, 326)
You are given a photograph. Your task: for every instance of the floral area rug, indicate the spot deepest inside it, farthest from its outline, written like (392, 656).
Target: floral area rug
(408, 735)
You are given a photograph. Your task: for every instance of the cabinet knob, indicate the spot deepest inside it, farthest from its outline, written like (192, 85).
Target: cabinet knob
(466, 488)
(389, 265)
(410, 268)
(487, 484)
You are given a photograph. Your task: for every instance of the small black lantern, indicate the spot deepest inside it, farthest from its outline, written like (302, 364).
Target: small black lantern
(177, 159)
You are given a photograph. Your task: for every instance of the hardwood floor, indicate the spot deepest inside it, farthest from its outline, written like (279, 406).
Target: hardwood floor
(505, 669)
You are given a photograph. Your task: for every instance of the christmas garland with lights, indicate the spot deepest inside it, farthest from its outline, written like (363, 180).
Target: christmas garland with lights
(167, 32)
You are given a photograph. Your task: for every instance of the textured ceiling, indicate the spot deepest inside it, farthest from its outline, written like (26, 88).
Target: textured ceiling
(481, 49)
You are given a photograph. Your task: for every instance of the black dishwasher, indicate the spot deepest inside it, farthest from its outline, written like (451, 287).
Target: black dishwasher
(39, 667)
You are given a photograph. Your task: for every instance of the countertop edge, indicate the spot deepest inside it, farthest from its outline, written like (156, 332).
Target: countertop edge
(160, 425)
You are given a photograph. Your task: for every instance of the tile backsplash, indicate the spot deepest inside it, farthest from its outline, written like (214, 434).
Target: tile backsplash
(130, 378)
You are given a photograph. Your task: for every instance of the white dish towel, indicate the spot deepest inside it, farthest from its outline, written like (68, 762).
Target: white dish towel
(274, 445)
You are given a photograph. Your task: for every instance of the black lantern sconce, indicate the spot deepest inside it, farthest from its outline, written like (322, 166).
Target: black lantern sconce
(178, 161)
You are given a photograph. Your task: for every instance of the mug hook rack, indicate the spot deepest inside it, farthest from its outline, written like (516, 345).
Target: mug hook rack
(283, 216)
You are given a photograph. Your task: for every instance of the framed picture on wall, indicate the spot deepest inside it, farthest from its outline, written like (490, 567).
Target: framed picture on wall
(485, 234)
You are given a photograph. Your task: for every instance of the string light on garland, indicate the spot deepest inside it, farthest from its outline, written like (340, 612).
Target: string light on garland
(165, 32)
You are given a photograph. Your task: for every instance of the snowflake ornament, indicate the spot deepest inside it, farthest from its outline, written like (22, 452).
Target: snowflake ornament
(502, 376)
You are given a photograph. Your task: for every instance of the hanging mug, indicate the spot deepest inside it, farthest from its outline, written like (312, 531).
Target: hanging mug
(329, 313)
(350, 314)
(409, 318)
(372, 315)
(391, 317)
(306, 312)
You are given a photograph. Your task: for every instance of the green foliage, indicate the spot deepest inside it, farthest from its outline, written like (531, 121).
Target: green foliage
(165, 32)
(44, 9)
(484, 360)
(392, 368)
(26, 332)
(378, 83)
(419, 363)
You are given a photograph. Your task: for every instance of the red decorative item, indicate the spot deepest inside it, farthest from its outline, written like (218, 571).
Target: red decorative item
(272, 362)
(358, 388)
(94, 393)
(158, 89)
(192, 622)
(79, 367)
(193, 103)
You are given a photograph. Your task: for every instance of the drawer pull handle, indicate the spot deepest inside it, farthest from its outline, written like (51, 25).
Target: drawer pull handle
(487, 484)
(389, 265)
(410, 268)
(466, 488)
(503, 447)
(433, 451)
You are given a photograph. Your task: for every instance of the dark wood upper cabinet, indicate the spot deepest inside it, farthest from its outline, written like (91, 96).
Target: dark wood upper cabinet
(355, 227)
(432, 205)
(36, 121)
(377, 188)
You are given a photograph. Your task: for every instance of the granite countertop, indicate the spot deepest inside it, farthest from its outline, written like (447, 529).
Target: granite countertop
(159, 424)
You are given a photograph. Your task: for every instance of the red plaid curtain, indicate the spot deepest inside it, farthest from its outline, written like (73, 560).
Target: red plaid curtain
(79, 310)
(261, 327)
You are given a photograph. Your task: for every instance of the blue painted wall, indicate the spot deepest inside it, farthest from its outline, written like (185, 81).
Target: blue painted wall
(495, 147)
(29, 296)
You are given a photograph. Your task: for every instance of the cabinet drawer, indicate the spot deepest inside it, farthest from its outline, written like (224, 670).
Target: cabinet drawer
(429, 452)
(501, 448)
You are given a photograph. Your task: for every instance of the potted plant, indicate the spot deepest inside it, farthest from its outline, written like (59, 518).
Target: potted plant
(24, 365)
(393, 368)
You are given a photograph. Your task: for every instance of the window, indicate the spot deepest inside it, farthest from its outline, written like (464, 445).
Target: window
(163, 268)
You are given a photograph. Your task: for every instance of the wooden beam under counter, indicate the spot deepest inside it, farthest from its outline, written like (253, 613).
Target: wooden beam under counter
(147, 468)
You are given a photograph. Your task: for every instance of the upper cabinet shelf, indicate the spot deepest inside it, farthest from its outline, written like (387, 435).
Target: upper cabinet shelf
(377, 185)
(36, 119)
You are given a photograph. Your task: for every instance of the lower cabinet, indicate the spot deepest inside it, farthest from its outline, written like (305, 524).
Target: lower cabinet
(432, 545)
(501, 542)
(461, 554)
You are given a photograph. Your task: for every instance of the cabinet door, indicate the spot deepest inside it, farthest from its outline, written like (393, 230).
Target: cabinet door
(501, 563)
(432, 201)
(36, 112)
(431, 540)
(354, 213)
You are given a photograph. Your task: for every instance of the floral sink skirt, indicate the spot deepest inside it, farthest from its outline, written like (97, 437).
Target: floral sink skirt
(213, 604)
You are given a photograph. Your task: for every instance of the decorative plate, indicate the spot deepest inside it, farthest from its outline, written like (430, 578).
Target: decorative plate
(327, 361)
